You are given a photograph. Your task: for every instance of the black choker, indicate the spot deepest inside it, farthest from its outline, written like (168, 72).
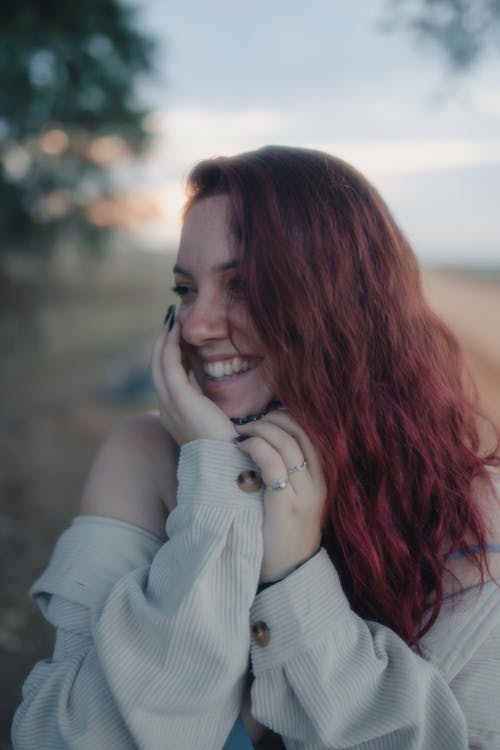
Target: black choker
(254, 417)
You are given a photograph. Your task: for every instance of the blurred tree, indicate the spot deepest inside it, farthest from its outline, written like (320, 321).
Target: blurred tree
(464, 30)
(68, 111)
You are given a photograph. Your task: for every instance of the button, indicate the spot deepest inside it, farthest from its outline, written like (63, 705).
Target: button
(249, 481)
(261, 633)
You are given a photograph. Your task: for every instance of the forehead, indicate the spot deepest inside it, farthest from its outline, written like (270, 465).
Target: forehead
(205, 237)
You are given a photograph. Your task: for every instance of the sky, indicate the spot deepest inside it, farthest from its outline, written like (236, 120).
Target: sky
(236, 75)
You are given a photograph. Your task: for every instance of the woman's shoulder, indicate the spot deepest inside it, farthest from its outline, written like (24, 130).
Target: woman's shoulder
(487, 493)
(134, 473)
(461, 572)
(142, 442)
(470, 613)
(142, 432)
(466, 621)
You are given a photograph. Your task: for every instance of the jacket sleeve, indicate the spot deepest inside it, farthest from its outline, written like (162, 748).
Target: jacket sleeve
(155, 657)
(327, 679)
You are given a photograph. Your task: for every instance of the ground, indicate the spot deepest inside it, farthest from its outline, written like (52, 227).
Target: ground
(72, 367)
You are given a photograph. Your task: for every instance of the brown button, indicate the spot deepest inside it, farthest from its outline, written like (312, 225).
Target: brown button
(261, 633)
(249, 481)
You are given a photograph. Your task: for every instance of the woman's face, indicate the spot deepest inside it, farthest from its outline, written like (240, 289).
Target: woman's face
(218, 338)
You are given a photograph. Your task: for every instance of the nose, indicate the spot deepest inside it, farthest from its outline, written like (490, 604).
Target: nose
(204, 320)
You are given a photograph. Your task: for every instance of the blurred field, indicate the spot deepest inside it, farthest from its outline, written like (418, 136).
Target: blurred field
(64, 385)
(470, 305)
(68, 375)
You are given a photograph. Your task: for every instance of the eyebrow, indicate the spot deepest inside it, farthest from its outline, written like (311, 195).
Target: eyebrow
(228, 265)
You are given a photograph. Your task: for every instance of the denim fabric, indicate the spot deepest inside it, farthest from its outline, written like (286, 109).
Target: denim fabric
(238, 737)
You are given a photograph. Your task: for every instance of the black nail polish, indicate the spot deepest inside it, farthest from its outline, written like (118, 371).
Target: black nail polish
(275, 405)
(241, 438)
(170, 317)
(168, 314)
(171, 321)
(246, 420)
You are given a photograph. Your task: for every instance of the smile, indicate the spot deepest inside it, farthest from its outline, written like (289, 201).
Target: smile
(227, 367)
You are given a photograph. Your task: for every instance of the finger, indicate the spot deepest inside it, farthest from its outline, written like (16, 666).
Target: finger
(286, 445)
(194, 382)
(166, 361)
(171, 359)
(282, 419)
(266, 458)
(156, 368)
(307, 450)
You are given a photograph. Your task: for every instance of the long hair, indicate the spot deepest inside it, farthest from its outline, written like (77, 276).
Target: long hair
(370, 373)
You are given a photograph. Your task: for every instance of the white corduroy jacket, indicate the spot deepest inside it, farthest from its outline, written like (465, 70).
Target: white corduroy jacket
(154, 637)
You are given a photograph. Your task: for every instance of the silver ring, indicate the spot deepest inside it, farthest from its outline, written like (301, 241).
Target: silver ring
(297, 468)
(279, 485)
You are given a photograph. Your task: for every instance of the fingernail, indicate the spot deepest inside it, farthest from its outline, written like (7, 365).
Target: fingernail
(240, 438)
(277, 405)
(172, 320)
(245, 420)
(168, 314)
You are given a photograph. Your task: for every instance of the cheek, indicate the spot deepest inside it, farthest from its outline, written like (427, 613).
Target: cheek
(180, 315)
(267, 376)
(243, 329)
(187, 350)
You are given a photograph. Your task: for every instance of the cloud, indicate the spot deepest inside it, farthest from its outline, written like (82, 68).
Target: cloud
(412, 156)
(185, 136)
(424, 179)
(188, 135)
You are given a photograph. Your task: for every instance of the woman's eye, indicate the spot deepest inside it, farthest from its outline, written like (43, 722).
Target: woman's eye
(181, 290)
(238, 287)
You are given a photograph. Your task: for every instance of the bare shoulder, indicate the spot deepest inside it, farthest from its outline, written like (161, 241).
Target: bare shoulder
(133, 477)
(488, 498)
(144, 433)
(461, 572)
(143, 439)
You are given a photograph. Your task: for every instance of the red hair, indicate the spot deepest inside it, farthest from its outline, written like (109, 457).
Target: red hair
(365, 367)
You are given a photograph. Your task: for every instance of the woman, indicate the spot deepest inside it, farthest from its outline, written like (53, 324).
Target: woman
(362, 514)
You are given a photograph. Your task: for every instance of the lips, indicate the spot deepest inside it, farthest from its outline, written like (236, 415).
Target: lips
(235, 382)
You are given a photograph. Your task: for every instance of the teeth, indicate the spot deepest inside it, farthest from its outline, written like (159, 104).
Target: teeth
(227, 367)
(218, 369)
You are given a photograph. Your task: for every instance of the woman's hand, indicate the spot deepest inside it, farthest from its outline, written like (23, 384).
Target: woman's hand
(292, 515)
(184, 411)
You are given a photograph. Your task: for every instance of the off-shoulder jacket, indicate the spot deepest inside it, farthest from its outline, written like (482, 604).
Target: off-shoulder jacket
(154, 639)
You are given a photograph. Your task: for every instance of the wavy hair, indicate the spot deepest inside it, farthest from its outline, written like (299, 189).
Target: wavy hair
(365, 367)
